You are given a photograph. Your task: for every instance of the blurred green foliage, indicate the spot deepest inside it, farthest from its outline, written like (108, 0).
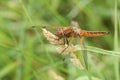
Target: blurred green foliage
(27, 55)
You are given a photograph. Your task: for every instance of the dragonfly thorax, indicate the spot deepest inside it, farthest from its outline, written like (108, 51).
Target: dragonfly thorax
(76, 30)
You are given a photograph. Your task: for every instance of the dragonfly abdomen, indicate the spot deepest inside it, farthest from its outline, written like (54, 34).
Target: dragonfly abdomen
(92, 34)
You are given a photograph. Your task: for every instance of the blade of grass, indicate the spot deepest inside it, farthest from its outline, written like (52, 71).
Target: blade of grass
(116, 61)
(102, 51)
(26, 12)
(8, 69)
(81, 57)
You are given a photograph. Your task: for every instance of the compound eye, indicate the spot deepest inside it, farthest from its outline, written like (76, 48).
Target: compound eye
(59, 32)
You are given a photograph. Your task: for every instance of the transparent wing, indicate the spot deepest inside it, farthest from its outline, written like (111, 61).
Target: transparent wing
(74, 24)
(49, 27)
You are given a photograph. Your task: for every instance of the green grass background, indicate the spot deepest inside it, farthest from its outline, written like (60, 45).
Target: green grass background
(27, 55)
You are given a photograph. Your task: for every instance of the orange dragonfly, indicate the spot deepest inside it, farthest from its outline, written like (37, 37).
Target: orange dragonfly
(73, 32)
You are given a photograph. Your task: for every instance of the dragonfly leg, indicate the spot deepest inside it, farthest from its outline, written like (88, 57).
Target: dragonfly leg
(82, 43)
(68, 42)
(64, 50)
(64, 41)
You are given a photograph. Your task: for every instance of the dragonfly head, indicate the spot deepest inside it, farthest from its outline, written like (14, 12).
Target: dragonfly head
(59, 33)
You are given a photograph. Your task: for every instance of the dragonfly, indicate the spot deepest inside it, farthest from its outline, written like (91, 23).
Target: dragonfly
(73, 32)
